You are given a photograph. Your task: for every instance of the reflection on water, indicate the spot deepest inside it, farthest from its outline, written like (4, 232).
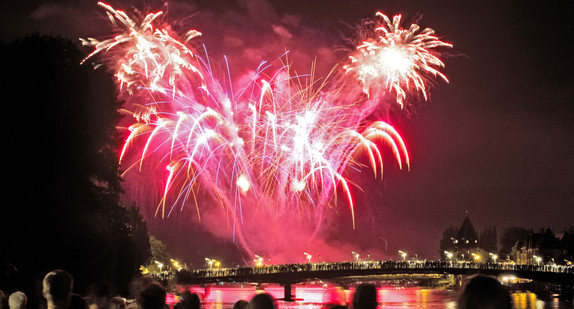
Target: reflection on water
(317, 296)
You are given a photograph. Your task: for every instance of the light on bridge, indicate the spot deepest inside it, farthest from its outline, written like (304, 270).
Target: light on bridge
(212, 263)
(403, 254)
(176, 264)
(537, 259)
(493, 256)
(159, 264)
(258, 261)
(355, 255)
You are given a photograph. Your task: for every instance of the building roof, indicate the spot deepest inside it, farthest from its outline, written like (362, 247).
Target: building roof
(467, 231)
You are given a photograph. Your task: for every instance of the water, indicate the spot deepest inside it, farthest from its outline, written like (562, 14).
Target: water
(317, 296)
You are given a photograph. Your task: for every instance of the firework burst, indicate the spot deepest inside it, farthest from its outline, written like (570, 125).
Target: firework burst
(397, 59)
(274, 154)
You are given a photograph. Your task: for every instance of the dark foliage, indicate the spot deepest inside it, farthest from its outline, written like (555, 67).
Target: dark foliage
(488, 239)
(61, 179)
(509, 239)
(446, 242)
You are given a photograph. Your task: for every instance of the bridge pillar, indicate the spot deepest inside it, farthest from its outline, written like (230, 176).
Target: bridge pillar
(567, 292)
(458, 281)
(288, 296)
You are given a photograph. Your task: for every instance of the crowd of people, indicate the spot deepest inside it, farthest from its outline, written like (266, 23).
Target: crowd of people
(147, 293)
(387, 264)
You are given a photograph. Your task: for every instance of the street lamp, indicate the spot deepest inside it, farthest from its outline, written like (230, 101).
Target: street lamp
(258, 261)
(537, 259)
(308, 256)
(448, 255)
(494, 257)
(209, 262)
(403, 254)
(160, 265)
(355, 255)
(176, 264)
(476, 257)
(386, 244)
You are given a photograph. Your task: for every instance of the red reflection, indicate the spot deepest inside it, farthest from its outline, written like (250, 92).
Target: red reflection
(317, 296)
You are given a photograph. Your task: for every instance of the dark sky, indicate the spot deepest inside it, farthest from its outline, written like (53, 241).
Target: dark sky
(496, 142)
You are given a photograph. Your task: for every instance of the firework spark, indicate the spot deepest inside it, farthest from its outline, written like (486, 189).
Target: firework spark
(273, 154)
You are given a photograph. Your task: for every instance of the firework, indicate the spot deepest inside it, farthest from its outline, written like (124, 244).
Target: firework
(275, 154)
(395, 59)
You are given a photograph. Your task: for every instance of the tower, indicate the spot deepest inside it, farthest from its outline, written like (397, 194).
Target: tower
(466, 239)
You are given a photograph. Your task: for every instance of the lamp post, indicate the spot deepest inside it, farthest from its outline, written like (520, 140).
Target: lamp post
(308, 256)
(403, 254)
(493, 256)
(209, 262)
(355, 255)
(386, 243)
(176, 264)
(160, 265)
(538, 260)
(258, 261)
(476, 257)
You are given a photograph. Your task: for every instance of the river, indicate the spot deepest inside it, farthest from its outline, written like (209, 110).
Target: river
(316, 296)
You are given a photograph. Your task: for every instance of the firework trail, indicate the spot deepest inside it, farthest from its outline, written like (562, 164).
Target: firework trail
(273, 154)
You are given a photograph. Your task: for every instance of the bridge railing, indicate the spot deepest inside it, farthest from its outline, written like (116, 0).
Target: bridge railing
(376, 265)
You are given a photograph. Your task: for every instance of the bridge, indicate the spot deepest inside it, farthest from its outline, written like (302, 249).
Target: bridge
(288, 274)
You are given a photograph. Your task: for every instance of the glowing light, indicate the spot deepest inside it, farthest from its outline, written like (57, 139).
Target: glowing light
(493, 256)
(258, 261)
(176, 264)
(243, 183)
(403, 254)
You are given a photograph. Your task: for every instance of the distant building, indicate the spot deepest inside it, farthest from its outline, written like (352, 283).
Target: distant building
(545, 247)
(466, 239)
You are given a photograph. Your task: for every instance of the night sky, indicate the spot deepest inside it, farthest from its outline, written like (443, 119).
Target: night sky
(497, 142)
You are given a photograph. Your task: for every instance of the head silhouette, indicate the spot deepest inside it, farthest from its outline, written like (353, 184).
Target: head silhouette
(262, 301)
(365, 297)
(240, 304)
(57, 288)
(17, 300)
(152, 297)
(484, 292)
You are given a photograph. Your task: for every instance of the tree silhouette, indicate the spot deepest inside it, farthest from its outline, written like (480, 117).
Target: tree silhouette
(488, 240)
(446, 241)
(60, 171)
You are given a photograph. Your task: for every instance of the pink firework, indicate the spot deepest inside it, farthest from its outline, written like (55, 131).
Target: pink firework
(273, 155)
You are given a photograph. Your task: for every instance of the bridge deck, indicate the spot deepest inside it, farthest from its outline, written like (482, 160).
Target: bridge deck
(293, 273)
